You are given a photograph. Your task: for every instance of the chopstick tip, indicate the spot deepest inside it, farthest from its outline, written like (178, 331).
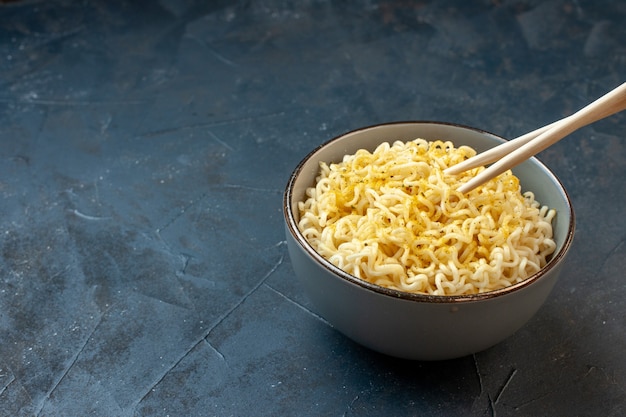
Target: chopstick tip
(453, 170)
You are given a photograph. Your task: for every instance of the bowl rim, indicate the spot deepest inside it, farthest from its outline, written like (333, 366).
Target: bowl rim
(419, 297)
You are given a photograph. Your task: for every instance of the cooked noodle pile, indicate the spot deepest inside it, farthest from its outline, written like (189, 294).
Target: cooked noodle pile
(391, 217)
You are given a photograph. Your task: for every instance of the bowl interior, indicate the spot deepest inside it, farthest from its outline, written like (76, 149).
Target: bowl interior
(533, 176)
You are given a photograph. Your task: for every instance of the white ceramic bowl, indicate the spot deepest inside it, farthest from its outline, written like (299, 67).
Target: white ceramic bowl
(415, 326)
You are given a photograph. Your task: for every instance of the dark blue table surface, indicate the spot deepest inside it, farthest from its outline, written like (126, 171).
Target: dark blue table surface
(144, 149)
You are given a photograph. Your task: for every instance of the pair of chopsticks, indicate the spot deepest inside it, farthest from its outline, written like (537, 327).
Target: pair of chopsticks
(516, 151)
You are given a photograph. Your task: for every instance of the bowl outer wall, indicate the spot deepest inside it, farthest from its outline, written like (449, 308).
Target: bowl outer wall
(426, 328)
(411, 329)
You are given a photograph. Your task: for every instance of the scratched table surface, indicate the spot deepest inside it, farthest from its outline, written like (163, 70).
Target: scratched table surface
(145, 147)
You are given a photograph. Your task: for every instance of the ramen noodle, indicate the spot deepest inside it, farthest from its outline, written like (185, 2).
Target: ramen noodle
(393, 218)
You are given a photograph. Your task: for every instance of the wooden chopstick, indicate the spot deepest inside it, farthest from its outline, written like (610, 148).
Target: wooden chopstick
(493, 154)
(516, 151)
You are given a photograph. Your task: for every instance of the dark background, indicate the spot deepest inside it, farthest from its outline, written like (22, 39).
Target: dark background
(144, 149)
